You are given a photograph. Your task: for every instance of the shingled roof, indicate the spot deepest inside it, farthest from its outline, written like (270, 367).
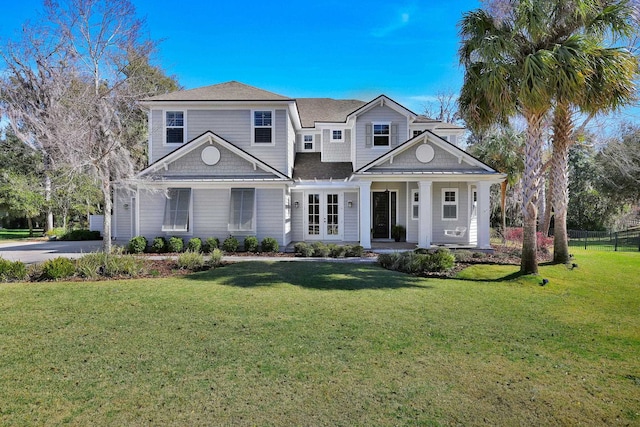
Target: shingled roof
(314, 110)
(229, 91)
(310, 166)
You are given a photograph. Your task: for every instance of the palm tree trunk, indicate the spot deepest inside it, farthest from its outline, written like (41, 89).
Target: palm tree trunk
(562, 130)
(503, 208)
(546, 221)
(531, 187)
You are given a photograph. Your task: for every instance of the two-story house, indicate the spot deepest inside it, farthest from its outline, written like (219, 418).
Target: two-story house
(232, 159)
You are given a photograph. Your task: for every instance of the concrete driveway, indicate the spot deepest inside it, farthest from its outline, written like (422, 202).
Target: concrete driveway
(39, 251)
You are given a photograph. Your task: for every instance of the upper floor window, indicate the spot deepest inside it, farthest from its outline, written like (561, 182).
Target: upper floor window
(381, 134)
(336, 136)
(263, 127)
(449, 203)
(417, 132)
(174, 124)
(308, 142)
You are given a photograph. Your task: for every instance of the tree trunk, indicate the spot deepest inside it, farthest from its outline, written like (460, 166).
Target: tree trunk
(106, 229)
(562, 130)
(531, 187)
(548, 213)
(30, 225)
(503, 208)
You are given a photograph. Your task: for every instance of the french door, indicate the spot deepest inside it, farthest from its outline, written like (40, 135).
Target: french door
(323, 215)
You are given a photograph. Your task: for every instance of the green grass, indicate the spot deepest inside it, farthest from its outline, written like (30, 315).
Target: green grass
(8, 235)
(327, 344)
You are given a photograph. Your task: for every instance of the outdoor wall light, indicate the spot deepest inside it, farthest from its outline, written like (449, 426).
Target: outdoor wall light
(296, 204)
(350, 203)
(126, 206)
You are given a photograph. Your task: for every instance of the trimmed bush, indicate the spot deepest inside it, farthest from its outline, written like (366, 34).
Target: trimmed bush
(269, 244)
(99, 264)
(190, 260)
(12, 270)
(210, 243)
(159, 245)
(216, 258)
(320, 249)
(175, 244)
(355, 251)
(336, 251)
(442, 260)
(194, 245)
(388, 260)
(463, 255)
(137, 245)
(303, 249)
(230, 244)
(58, 268)
(251, 244)
(419, 261)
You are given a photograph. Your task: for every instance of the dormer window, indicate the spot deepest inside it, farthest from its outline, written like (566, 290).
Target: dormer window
(336, 135)
(263, 127)
(381, 134)
(174, 127)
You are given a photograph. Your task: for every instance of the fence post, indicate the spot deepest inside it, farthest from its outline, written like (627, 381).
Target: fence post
(584, 233)
(615, 247)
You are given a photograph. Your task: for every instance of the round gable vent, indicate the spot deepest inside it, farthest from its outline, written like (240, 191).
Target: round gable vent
(425, 153)
(210, 155)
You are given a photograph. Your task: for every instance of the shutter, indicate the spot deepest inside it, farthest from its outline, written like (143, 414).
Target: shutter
(347, 135)
(394, 135)
(326, 135)
(368, 132)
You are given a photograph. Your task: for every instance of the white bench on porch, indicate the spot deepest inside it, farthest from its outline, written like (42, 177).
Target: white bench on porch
(457, 232)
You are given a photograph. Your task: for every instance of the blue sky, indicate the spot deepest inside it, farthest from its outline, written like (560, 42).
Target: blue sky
(331, 48)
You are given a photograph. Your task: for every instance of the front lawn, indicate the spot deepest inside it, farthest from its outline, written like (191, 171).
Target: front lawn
(8, 235)
(284, 343)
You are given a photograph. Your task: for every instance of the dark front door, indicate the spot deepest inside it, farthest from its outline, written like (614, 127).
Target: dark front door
(384, 213)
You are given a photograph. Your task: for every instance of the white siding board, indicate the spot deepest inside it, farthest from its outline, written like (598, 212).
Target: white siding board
(270, 220)
(211, 213)
(351, 223)
(151, 213)
(365, 154)
(297, 216)
(442, 161)
(440, 225)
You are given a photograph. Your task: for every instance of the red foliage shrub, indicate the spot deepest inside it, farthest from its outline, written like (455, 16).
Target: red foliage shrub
(516, 235)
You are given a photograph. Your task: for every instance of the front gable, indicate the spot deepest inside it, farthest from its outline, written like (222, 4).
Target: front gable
(426, 153)
(209, 156)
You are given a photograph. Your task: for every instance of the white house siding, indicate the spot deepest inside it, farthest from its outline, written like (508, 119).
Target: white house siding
(230, 164)
(439, 225)
(336, 151)
(211, 213)
(232, 125)
(412, 224)
(366, 154)
(291, 145)
(122, 216)
(297, 216)
(442, 161)
(351, 224)
(270, 219)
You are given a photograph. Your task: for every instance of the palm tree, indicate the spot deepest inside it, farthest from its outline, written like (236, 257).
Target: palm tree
(521, 64)
(608, 84)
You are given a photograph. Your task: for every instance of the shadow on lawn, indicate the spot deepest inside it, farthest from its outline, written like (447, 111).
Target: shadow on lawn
(313, 275)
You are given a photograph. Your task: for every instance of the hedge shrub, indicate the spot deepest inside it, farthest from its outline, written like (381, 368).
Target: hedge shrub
(12, 270)
(190, 260)
(216, 258)
(137, 245)
(159, 245)
(303, 249)
(194, 245)
(418, 262)
(230, 244)
(175, 244)
(209, 244)
(58, 268)
(269, 244)
(251, 244)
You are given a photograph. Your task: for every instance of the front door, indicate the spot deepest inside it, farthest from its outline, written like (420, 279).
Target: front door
(323, 216)
(384, 213)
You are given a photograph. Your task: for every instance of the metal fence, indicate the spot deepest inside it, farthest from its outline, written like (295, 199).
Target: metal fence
(605, 241)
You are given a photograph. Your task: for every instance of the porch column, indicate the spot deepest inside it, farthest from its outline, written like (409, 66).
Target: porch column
(425, 210)
(365, 214)
(484, 210)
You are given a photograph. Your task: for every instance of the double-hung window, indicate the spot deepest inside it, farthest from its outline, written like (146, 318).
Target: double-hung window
(450, 203)
(174, 127)
(337, 135)
(308, 142)
(177, 210)
(381, 134)
(263, 127)
(242, 209)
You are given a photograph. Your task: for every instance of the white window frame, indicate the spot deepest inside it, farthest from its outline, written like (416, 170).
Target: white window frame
(373, 134)
(165, 127)
(415, 203)
(333, 139)
(449, 203)
(254, 127)
(174, 230)
(230, 226)
(305, 142)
